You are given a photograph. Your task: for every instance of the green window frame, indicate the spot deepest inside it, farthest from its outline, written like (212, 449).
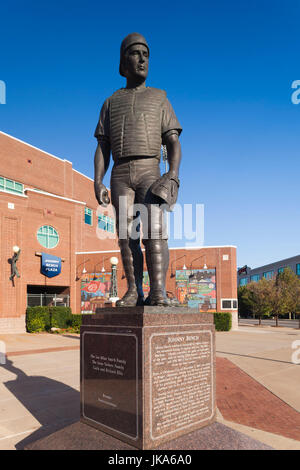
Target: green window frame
(106, 223)
(268, 275)
(298, 269)
(47, 236)
(88, 216)
(11, 186)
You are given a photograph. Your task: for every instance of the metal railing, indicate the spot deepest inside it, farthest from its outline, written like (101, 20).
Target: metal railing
(55, 300)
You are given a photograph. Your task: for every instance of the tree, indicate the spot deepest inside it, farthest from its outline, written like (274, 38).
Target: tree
(245, 306)
(286, 296)
(260, 297)
(297, 305)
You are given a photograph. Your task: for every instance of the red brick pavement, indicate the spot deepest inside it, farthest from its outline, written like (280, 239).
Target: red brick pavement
(240, 399)
(243, 400)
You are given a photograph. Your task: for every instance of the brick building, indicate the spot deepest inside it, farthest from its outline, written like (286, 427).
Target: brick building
(206, 273)
(48, 207)
(45, 206)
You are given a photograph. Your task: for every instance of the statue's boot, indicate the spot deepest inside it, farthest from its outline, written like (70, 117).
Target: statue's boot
(132, 258)
(157, 258)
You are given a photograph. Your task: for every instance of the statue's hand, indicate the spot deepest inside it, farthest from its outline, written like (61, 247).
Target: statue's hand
(171, 174)
(101, 194)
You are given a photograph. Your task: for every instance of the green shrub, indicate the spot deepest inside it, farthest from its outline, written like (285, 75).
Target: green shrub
(76, 320)
(45, 318)
(222, 321)
(60, 317)
(38, 319)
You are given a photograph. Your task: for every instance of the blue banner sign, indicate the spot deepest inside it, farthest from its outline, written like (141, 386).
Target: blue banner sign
(51, 265)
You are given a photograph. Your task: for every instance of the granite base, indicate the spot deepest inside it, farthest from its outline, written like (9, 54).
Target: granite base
(147, 373)
(79, 436)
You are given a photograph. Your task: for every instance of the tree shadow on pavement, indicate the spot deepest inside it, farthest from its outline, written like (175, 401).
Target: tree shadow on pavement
(53, 404)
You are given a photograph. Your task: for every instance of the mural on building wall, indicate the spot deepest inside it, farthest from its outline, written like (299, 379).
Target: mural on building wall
(196, 288)
(146, 283)
(95, 288)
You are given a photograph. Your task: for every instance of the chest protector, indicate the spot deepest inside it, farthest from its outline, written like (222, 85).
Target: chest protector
(135, 122)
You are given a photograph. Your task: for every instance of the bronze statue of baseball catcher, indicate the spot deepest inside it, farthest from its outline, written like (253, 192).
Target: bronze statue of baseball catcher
(134, 122)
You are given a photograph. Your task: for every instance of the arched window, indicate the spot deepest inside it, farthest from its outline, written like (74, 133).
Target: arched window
(47, 236)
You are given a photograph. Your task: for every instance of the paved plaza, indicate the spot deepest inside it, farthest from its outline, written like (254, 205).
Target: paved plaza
(257, 385)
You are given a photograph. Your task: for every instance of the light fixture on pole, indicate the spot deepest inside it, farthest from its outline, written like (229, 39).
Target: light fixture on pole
(175, 260)
(113, 294)
(79, 273)
(85, 278)
(103, 268)
(199, 257)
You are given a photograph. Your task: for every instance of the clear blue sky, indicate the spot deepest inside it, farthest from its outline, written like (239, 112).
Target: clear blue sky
(227, 67)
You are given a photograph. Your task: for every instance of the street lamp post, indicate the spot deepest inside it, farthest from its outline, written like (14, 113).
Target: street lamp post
(113, 295)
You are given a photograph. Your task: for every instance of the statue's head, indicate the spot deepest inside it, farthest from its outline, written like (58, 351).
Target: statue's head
(134, 57)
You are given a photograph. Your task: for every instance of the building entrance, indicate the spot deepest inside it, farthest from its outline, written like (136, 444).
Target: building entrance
(55, 296)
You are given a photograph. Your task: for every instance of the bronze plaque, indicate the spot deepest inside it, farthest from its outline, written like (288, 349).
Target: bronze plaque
(181, 381)
(109, 388)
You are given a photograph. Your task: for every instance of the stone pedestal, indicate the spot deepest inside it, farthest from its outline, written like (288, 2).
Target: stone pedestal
(147, 373)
